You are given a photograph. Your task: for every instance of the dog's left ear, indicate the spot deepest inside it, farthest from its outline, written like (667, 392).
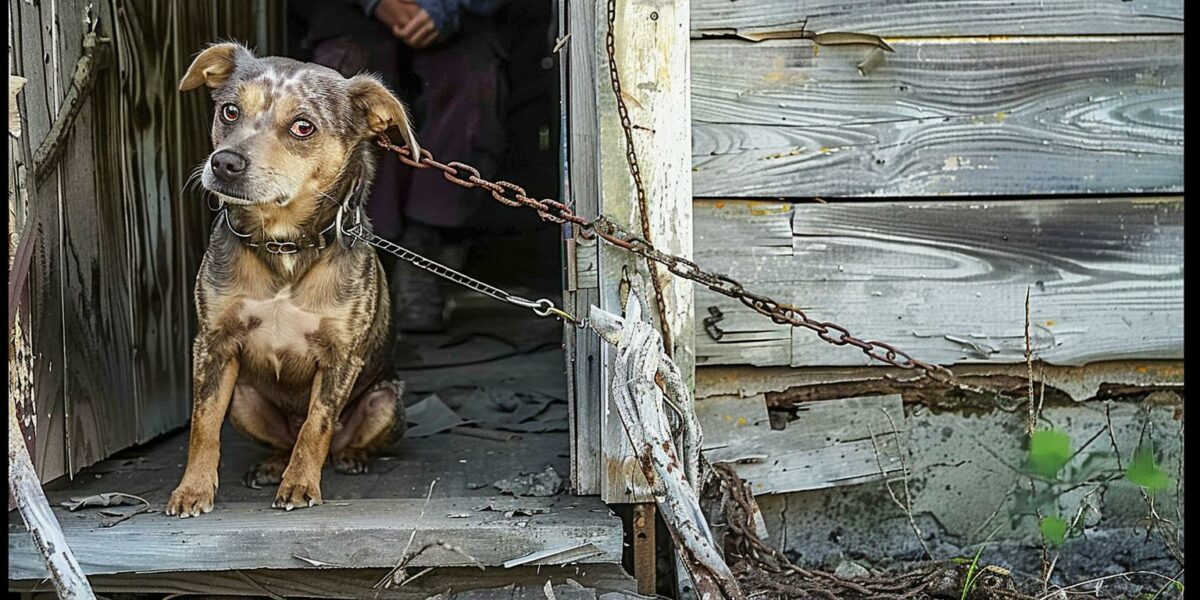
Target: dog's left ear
(214, 65)
(382, 109)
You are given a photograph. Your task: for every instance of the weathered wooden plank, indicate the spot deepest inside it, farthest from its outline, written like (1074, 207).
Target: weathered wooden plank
(977, 116)
(96, 301)
(748, 240)
(358, 534)
(155, 199)
(20, 352)
(38, 106)
(1105, 278)
(787, 385)
(652, 59)
(361, 583)
(827, 443)
(942, 17)
(581, 184)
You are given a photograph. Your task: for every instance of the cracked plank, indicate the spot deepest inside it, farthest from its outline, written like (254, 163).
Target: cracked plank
(942, 17)
(946, 280)
(826, 444)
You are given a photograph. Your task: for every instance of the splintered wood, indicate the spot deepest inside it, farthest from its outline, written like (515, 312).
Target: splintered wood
(670, 473)
(47, 536)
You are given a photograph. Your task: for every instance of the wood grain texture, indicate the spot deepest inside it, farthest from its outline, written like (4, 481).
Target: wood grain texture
(747, 240)
(361, 534)
(946, 281)
(829, 443)
(38, 101)
(1078, 384)
(354, 584)
(97, 314)
(653, 61)
(890, 18)
(581, 184)
(977, 116)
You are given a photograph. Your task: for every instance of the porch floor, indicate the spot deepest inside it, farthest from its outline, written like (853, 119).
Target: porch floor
(498, 367)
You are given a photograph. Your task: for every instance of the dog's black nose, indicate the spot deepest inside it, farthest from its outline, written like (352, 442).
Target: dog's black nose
(227, 164)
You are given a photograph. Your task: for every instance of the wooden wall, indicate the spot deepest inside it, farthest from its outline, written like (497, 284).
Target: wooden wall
(1002, 148)
(119, 237)
(999, 148)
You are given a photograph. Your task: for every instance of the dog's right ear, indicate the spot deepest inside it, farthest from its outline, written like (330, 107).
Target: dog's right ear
(214, 65)
(382, 109)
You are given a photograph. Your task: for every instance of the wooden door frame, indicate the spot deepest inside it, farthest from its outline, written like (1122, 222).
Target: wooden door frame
(653, 60)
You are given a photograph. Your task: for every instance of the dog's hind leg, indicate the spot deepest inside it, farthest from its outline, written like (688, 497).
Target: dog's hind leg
(258, 419)
(376, 420)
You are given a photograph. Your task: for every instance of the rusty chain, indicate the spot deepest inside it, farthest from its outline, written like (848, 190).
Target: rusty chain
(635, 171)
(784, 314)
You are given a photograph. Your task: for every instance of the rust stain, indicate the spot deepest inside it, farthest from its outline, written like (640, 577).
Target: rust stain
(997, 117)
(793, 152)
(762, 209)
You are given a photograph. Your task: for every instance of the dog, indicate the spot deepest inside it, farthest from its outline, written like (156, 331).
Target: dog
(294, 319)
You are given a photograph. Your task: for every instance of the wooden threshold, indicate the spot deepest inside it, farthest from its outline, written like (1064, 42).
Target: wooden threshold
(494, 531)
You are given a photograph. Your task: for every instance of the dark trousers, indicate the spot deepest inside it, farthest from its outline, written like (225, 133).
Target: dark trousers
(457, 91)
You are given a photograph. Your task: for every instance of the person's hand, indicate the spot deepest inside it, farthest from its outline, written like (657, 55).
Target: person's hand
(419, 32)
(407, 21)
(395, 14)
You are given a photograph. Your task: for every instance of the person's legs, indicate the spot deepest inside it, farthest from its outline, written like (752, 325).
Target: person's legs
(460, 111)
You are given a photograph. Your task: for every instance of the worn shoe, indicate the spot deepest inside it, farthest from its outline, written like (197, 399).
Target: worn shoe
(418, 304)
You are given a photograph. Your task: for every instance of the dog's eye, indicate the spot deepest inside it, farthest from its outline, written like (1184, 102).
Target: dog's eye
(230, 113)
(302, 129)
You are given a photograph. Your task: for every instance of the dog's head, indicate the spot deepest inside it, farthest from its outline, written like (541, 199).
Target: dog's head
(285, 130)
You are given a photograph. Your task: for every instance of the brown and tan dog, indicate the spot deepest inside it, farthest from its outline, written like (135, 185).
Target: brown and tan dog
(294, 323)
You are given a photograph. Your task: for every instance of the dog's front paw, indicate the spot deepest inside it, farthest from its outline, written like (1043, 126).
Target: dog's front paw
(191, 500)
(297, 492)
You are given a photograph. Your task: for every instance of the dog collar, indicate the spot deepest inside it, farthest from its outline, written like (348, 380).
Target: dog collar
(275, 246)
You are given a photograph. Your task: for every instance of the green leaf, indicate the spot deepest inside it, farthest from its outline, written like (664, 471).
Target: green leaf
(1049, 450)
(1054, 529)
(1144, 472)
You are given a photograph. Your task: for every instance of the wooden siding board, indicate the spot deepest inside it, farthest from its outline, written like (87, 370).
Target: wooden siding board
(38, 107)
(749, 240)
(581, 190)
(942, 17)
(96, 300)
(946, 280)
(1007, 116)
(1078, 383)
(830, 442)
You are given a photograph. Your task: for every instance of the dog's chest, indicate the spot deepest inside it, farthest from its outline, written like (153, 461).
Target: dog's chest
(280, 326)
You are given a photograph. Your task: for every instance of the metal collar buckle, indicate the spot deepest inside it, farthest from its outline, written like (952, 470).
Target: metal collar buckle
(275, 247)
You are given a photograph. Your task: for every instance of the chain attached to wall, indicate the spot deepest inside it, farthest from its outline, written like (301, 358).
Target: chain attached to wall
(784, 314)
